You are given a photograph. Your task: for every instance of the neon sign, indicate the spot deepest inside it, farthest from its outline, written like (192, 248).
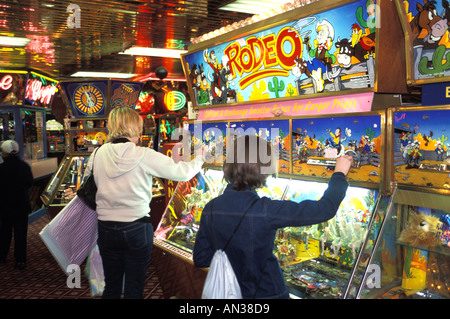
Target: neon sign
(6, 82)
(174, 100)
(36, 91)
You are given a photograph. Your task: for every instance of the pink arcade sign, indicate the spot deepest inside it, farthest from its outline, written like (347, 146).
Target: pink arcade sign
(340, 104)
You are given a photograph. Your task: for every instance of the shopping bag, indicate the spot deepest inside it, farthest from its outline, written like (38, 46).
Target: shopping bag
(221, 281)
(94, 272)
(72, 234)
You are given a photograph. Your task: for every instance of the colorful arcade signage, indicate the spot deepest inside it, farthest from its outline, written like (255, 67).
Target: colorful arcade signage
(96, 98)
(348, 103)
(87, 99)
(327, 51)
(26, 88)
(125, 94)
(426, 26)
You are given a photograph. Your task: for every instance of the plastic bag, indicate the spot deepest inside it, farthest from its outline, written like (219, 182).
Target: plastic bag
(221, 281)
(94, 272)
(72, 234)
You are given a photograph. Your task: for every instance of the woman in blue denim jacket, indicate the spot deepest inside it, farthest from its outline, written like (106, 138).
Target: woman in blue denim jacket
(251, 249)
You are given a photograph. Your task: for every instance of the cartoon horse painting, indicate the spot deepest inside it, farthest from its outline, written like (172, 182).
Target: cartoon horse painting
(427, 26)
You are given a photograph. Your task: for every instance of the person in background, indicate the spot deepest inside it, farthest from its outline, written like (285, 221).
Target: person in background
(123, 173)
(16, 180)
(251, 249)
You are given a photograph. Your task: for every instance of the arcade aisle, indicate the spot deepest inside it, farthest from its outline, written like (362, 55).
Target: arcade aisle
(44, 279)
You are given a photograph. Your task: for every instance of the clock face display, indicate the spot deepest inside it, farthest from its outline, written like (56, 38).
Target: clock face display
(88, 99)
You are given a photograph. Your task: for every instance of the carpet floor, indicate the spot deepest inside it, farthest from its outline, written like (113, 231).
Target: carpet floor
(43, 278)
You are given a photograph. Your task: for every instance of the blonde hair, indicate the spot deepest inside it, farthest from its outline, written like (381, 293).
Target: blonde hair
(124, 122)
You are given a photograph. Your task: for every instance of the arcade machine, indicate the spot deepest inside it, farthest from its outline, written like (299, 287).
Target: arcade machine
(412, 251)
(88, 104)
(272, 81)
(55, 139)
(25, 98)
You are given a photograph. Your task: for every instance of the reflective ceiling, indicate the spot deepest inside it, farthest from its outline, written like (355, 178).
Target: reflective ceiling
(60, 47)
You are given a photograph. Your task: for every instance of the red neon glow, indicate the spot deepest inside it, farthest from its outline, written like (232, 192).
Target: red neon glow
(37, 92)
(6, 82)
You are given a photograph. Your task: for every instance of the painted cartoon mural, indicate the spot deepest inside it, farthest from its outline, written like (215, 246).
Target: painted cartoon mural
(274, 131)
(428, 21)
(421, 147)
(318, 141)
(215, 135)
(332, 50)
(211, 134)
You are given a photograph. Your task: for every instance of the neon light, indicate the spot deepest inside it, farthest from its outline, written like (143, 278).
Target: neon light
(35, 91)
(174, 100)
(6, 82)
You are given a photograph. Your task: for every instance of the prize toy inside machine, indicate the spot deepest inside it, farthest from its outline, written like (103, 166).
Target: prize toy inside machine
(88, 104)
(26, 98)
(312, 86)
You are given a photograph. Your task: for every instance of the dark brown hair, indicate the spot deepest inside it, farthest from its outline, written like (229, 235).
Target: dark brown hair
(249, 162)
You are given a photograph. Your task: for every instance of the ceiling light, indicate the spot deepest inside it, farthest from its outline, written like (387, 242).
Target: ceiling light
(87, 74)
(14, 41)
(253, 6)
(143, 51)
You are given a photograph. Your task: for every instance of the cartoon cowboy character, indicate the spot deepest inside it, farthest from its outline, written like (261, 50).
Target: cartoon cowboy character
(439, 151)
(322, 59)
(335, 139)
(414, 155)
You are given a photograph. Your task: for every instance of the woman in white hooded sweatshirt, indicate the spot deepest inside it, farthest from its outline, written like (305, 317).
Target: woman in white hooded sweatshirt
(123, 174)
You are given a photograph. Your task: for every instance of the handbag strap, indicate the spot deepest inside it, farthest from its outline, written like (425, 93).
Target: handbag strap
(93, 158)
(235, 229)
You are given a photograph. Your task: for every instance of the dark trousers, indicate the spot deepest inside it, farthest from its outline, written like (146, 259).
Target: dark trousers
(125, 249)
(19, 225)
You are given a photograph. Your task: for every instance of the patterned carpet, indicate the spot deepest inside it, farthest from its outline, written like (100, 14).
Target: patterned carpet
(44, 279)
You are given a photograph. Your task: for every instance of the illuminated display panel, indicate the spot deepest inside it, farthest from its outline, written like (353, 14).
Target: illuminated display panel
(304, 56)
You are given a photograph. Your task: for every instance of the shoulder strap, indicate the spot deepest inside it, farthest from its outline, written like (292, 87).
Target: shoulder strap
(93, 158)
(235, 229)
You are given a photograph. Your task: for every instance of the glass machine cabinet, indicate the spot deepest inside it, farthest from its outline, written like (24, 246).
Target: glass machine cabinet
(81, 138)
(317, 261)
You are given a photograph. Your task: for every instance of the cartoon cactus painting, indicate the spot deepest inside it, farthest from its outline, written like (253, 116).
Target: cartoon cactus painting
(439, 63)
(291, 91)
(443, 139)
(370, 133)
(276, 88)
